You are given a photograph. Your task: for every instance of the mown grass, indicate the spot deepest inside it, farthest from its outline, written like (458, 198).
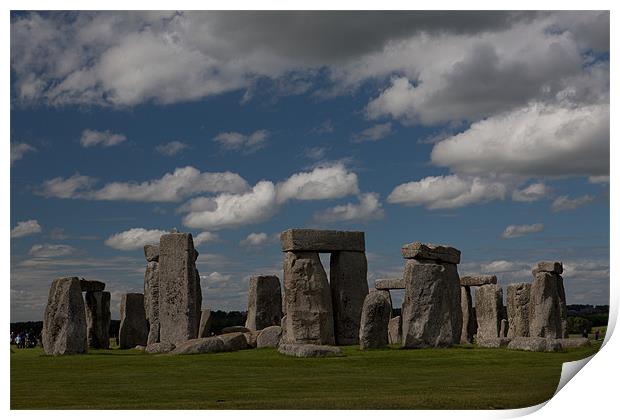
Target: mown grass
(455, 378)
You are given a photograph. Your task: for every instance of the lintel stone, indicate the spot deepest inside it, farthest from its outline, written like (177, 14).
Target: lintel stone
(418, 250)
(480, 280)
(321, 240)
(389, 284)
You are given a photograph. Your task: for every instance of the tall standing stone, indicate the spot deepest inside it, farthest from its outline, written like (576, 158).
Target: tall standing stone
(373, 332)
(517, 308)
(64, 321)
(395, 328)
(309, 316)
(547, 307)
(264, 302)
(98, 319)
(349, 287)
(151, 297)
(489, 310)
(205, 323)
(469, 320)
(180, 296)
(134, 329)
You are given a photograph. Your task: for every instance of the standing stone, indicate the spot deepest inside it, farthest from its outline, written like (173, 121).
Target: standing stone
(503, 329)
(517, 308)
(349, 287)
(376, 313)
(547, 308)
(395, 335)
(180, 296)
(489, 308)
(264, 302)
(98, 319)
(64, 321)
(151, 297)
(205, 324)
(431, 310)
(134, 328)
(469, 320)
(309, 316)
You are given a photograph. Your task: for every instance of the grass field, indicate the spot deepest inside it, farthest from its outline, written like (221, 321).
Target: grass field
(461, 377)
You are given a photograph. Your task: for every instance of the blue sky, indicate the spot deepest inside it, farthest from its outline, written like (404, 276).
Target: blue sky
(487, 131)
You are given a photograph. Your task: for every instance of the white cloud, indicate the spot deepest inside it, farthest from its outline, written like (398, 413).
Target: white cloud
(369, 208)
(564, 202)
(255, 239)
(101, 138)
(515, 231)
(134, 238)
(18, 150)
(500, 266)
(315, 153)
(76, 186)
(25, 228)
(246, 143)
(203, 237)
(215, 278)
(321, 183)
(374, 133)
(172, 148)
(450, 191)
(532, 192)
(50, 250)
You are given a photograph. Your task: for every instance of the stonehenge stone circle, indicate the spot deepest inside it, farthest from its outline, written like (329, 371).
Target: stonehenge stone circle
(480, 280)
(264, 302)
(517, 308)
(64, 321)
(269, 337)
(180, 296)
(431, 311)
(489, 309)
(322, 240)
(133, 330)
(151, 295)
(547, 305)
(98, 319)
(389, 284)
(204, 330)
(469, 326)
(395, 335)
(376, 314)
(309, 350)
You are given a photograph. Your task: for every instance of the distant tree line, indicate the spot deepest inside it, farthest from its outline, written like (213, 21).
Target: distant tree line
(585, 317)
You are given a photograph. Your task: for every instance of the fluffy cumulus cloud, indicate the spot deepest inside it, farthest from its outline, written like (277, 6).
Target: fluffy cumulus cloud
(26, 228)
(203, 237)
(515, 231)
(171, 148)
(76, 186)
(368, 208)
(51, 250)
(374, 133)
(323, 182)
(255, 239)
(134, 238)
(105, 138)
(18, 150)
(532, 192)
(246, 143)
(564, 202)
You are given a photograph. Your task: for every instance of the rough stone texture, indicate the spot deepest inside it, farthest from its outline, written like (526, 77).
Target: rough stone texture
(234, 341)
(563, 309)
(489, 309)
(534, 344)
(503, 328)
(389, 284)
(269, 337)
(283, 323)
(321, 240)
(98, 319)
(309, 316)
(252, 337)
(494, 343)
(64, 321)
(478, 280)
(550, 267)
(91, 285)
(180, 296)
(349, 287)
(570, 343)
(431, 310)
(418, 250)
(264, 302)
(200, 345)
(469, 320)
(151, 252)
(547, 308)
(309, 350)
(159, 348)
(395, 335)
(517, 309)
(376, 314)
(205, 324)
(235, 329)
(151, 298)
(134, 329)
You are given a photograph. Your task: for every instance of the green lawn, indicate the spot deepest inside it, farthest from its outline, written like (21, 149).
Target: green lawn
(460, 378)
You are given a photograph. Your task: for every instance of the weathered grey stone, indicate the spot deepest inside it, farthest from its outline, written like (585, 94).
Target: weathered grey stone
(264, 302)
(494, 343)
(252, 337)
(235, 329)
(205, 324)
(234, 341)
(134, 329)
(180, 296)
(489, 308)
(563, 310)
(418, 250)
(550, 267)
(389, 284)
(64, 321)
(468, 328)
(283, 323)
(269, 337)
(376, 314)
(200, 345)
(517, 308)
(503, 328)
(98, 319)
(159, 348)
(151, 252)
(534, 344)
(570, 343)
(546, 307)
(309, 350)
(140, 348)
(349, 287)
(151, 298)
(91, 285)
(480, 280)
(321, 240)
(431, 310)
(309, 315)
(395, 335)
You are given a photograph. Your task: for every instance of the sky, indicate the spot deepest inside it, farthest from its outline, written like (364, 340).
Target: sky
(486, 131)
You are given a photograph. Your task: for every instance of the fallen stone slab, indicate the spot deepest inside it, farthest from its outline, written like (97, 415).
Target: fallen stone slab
(322, 240)
(571, 343)
(390, 284)
(235, 329)
(420, 251)
(309, 350)
(91, 285)
(234, 341)
(493, 343)
(534, 344)
(480, 280)
(159, 348)
(269, 337)
(200, 345)
(151, 252)
(550, 267)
